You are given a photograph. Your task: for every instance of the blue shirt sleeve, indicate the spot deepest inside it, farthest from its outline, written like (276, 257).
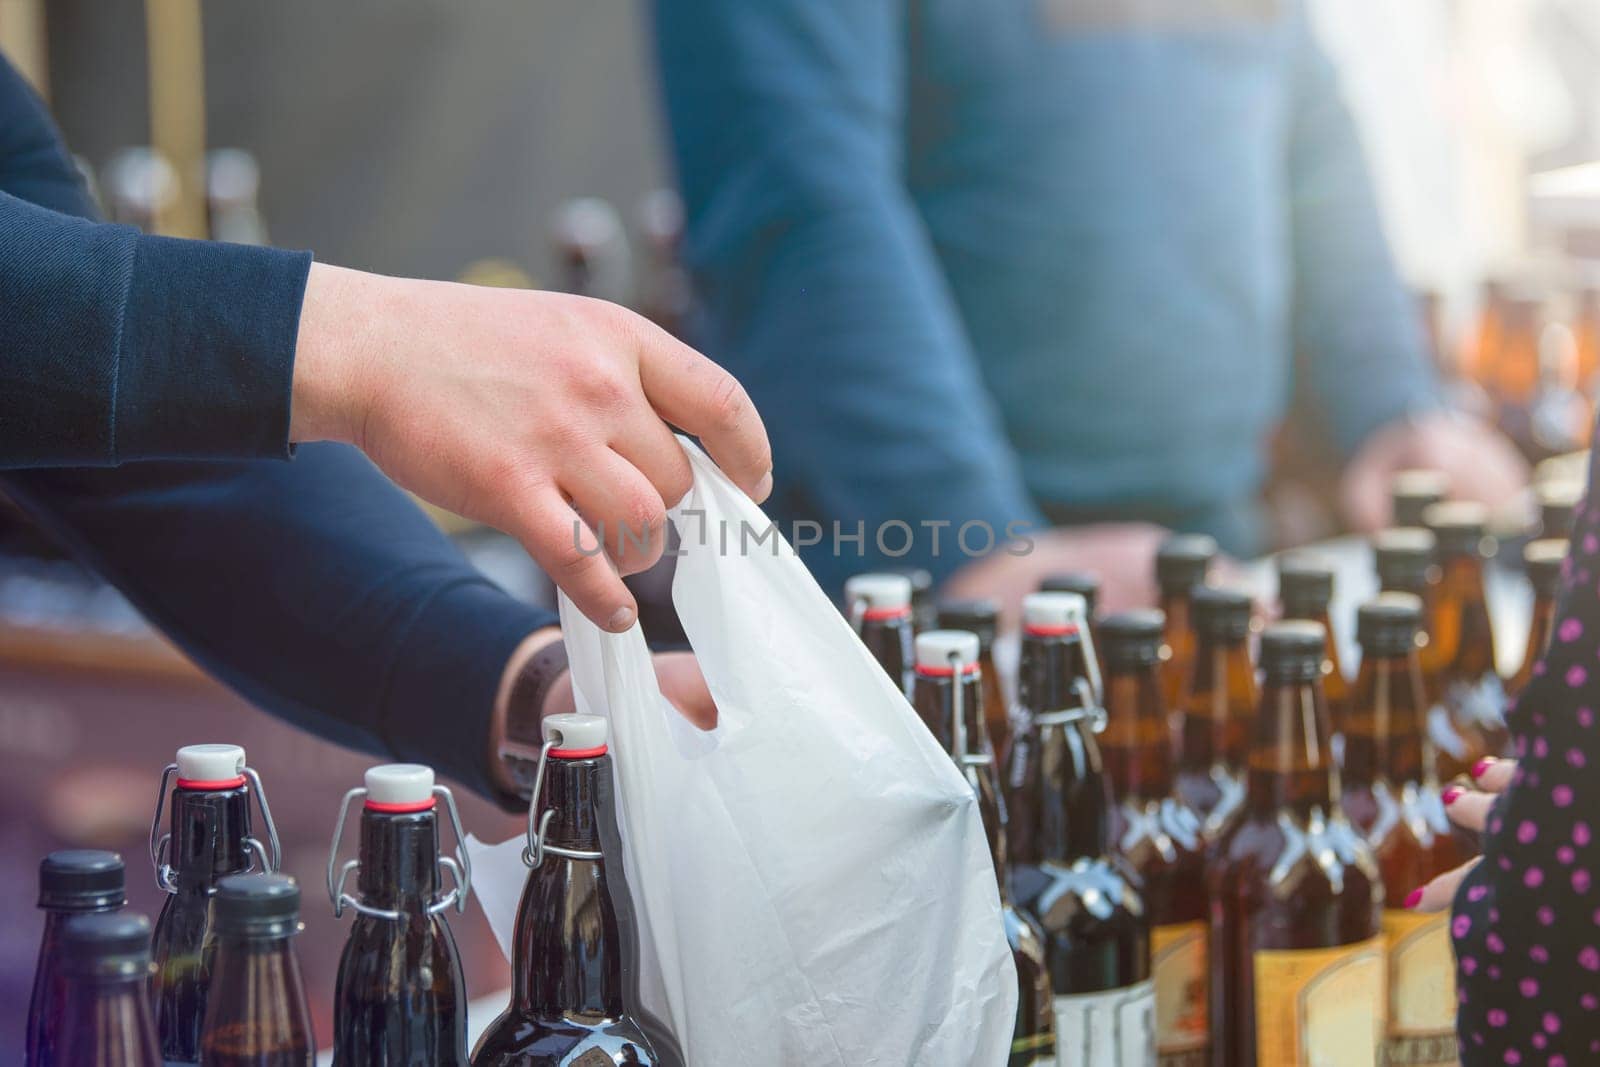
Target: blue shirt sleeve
(1356, 328)
(824, 294)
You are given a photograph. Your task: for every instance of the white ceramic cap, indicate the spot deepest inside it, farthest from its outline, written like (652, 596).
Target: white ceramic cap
(575, 731)
(1420, 482)
(210, 763)
(1561, 492)
(1456, 513)
(399, 783)
(1054, 609)
(879, 590)
(936, 647)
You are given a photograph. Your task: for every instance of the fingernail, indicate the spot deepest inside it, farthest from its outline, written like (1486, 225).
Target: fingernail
(763, 488)
(1413, 898)
(620, 620)
(1451, 795)
(1482, 765)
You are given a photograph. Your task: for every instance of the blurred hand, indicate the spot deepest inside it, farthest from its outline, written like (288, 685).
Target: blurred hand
(540, 414)
(1481, 464)
(678, 674)
(1467, 808)
(1122, 554)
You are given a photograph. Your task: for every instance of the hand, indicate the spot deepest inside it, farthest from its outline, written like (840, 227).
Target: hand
(1122, 554)
(1467, 808)
(541, 414)
(1480, 463)
(678, 675)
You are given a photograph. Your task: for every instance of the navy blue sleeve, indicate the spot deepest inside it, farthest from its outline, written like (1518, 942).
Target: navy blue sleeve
(824, 293)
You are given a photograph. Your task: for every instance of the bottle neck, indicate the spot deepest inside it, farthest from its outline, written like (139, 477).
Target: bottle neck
(256, 1005)
(889, 641)
(1215, 725)
(107, 1022)
(1137, 742)
(399, 859)
(1048, 671)
(1462, 596)
(933, 696)
(1291, 767)
(210, 829)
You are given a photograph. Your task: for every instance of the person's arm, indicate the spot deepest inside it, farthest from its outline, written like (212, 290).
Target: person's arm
(825, 295)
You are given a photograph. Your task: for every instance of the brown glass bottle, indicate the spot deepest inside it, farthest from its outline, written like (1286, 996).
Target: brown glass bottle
(256, 1013)
(575, 991)
(924, 610)
(1543, 560)
(948, 694)
(1157, 833)
(1296, 898)
(981, 618)
(1214, 724)
(400, 998)
(1391, 795)
(1558, 509)
(1097, 934)
(71, 882)
(1182, 562)
(105, 1018)
(1411, 492)
(1472, 692)
(1305, 590)
(880, 608)
(1085, 583)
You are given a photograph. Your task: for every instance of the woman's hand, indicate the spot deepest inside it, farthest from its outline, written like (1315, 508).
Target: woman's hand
(1469, 809)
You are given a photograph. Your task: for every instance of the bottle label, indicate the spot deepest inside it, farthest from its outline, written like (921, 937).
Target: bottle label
(1035, 1050)
(1116, 1028)
(1320, 1007)
(1422, 990)
(1178, 962)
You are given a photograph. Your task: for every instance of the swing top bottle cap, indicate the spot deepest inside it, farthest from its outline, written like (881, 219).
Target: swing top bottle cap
(1543, 560)
(81, 879)
(1085, 583)
(981, 617)
(1047, 614)
(1458, 524)
(210, 766)
(399, 787)
(257, 905)
(576, 735)
(890, 593)
(1418, 483)
(106, 944)
(1221, 614)
(936, 649)
(1182, 561)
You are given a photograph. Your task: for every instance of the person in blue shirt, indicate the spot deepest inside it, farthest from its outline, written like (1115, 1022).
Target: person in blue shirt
(1054, 263)
(152, 395)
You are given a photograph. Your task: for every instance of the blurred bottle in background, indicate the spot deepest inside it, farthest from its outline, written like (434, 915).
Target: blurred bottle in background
(1182, 562)
(667, 294)
(981, 618)
(1305, 591)
(1543, 560)
(71, 882)
(256, 1014)
(1214, 724)
(591, 250)
(105, 1017)
(1413, 492)
(233, 197)
(879, 606)
(140, 186)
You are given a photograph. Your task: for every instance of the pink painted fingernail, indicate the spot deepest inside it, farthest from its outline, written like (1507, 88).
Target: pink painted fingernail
(1482, 765)
(1413, 898)
(1451, 795)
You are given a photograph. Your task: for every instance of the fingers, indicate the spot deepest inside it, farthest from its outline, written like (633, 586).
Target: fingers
(1494, 775)
(568, 551)
(649, 445)
(1437, 894)
(682, 683)
(1468, 808)
(696, 395)
(621, 507)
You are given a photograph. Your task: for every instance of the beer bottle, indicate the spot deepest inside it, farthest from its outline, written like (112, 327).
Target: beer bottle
(1182, 563)
(1411, 492)
(575, 993)
(1219, 704)
(1305, 589)
(1588, 330)
(105, 1016)
(1472, 692)
(880, 609)
(256, 1014)
(981, 618)
(1543, 560)
(400, 998)
(1084, 583)
(71, 882)
(924, 612)
(1296, 901)
(1391, 796)
(1097, 935)
(948, 694)
(1157, 833)
(210, 838)
(1558, 508)
(668, 294)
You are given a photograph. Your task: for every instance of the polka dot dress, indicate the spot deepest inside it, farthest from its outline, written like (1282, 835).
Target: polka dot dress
(1526, 921)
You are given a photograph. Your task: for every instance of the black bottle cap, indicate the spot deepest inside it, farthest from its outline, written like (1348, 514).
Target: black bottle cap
(1220, 614)
(1414, 491)
(1130, 640)
(981, 617)
(1405, 557)
(106, 944)
(1293, 651)
(1085, 583)
(1543, 559)
(257, 905)
(1305, 586)
(82, 879)
(1387, 624)
(1182, 562)
(1459, 526)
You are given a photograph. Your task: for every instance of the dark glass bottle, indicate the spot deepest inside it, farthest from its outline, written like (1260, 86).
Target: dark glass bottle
(1472, 692)
(1406, 560)
(1213, 735)
(949, 694)
(105, 1014)
(981, 618)
(1085, 583)
(1305, 591)
(924, 611)
(1097, 935)
(1558, 509)
(1391, 796)
(1182, 562)
(1414, 491)
(1157, 833)
(400, 999)
(575, 980)
(1542, 560)
(210, 839)
(256, 1013)
(71, 882)
(1296, 899)
(880, 608)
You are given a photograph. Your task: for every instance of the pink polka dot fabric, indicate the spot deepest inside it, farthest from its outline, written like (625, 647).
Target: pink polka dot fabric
(1526, 921)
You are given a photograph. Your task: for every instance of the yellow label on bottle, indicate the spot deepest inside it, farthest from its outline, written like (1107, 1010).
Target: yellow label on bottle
(1178, 964)
(1422, 990)
(1320, 1007)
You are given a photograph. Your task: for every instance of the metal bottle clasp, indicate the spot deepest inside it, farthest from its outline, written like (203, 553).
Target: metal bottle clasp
(161, 843)
(533, 852)
(459, 866)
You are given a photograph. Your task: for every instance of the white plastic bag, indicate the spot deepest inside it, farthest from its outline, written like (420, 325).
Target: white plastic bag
(812, 878)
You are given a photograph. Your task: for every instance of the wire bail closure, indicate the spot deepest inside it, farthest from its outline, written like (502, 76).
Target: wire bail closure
(1090, 692)
(533, 852)
(459, 866)
(161, 843)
